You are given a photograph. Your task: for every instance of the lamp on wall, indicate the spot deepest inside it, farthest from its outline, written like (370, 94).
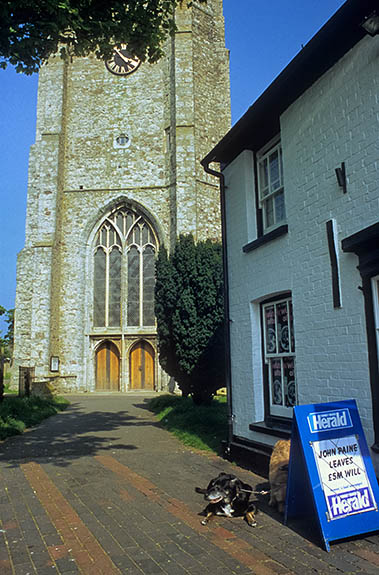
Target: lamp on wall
(371, 24)
(341, 177)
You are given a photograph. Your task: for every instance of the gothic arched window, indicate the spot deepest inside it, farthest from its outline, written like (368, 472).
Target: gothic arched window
(124, 258)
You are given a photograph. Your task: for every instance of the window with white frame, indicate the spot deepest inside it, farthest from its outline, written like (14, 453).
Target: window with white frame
(271, 186)
(124, 271)
(279, 357)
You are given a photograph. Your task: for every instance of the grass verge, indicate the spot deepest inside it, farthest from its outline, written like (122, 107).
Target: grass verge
(7, 388)
(18, 413)
(200, 427)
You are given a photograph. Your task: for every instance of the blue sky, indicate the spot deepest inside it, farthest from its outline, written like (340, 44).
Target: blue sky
(262, 37)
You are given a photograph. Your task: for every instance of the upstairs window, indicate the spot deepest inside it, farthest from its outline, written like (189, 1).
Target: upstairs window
(271, 187)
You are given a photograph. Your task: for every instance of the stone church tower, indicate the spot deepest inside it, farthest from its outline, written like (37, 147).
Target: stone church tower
(114, 174)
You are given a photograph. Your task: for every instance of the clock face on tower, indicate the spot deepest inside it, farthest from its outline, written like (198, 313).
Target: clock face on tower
(122, 62)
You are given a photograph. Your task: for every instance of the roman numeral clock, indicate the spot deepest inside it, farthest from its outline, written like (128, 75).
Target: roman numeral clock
(122, 62)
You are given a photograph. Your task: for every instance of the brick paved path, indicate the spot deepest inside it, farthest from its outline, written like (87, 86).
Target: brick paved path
(101, 490)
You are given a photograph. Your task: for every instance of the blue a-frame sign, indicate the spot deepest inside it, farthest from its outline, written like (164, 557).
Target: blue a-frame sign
(330, 471)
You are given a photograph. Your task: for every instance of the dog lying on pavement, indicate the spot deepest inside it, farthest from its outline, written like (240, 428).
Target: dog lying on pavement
(228, 496)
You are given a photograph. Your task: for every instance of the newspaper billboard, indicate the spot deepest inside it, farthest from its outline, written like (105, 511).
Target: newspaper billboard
(330, 466)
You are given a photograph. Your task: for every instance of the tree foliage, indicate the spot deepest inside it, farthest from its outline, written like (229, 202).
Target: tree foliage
(6, 341)
(190, 316)
(32, 30)
(6, 345)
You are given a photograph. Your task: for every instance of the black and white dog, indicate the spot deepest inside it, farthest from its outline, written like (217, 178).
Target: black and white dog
(229, 496)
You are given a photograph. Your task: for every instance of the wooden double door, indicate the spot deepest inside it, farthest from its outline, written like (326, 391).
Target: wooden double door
(141, 367)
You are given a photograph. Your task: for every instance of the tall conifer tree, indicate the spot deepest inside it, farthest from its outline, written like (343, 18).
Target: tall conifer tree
(190, 318)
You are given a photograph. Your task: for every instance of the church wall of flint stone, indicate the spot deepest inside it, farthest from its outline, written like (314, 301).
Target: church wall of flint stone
(115, 173)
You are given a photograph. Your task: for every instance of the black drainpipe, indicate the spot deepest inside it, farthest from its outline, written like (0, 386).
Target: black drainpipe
(221, 178)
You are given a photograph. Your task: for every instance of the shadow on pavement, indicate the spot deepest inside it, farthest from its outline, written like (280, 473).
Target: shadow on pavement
(71, 434)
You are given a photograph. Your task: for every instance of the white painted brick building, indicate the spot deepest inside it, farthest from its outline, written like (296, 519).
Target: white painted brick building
(301, 312)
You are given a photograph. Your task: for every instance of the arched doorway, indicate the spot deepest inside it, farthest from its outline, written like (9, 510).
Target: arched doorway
(142, 366)
(107, 367)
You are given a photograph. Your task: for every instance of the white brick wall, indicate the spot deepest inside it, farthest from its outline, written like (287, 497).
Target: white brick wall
(336, 120)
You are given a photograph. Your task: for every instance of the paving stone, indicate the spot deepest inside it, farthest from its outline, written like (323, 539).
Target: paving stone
(4, 555)
(20, 556)
(66, 565)
(24, 569)
(123, 562)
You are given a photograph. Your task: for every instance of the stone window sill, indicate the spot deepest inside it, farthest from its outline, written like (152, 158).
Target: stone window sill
(277, 429)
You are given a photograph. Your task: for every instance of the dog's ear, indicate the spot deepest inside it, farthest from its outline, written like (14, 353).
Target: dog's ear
(200, 490)
(222, 477)
(229, 476)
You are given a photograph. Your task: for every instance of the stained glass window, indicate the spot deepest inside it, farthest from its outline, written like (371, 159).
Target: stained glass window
(133, 286)
(148, 285)
(124, 255)
(114, 288)
(99, 291)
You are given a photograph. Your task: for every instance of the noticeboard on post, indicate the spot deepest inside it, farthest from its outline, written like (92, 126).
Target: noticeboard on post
(330, 471)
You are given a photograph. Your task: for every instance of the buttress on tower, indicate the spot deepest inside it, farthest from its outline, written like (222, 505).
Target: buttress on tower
(115, 173)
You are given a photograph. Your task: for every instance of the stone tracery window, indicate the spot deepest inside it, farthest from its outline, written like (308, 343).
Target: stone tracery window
(124, 260)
